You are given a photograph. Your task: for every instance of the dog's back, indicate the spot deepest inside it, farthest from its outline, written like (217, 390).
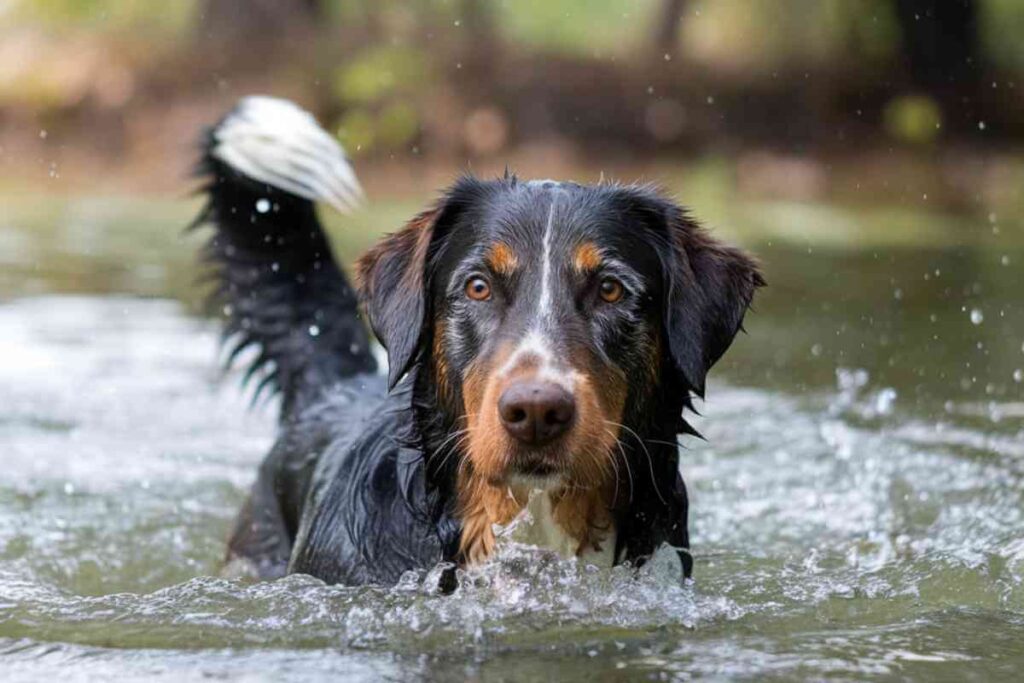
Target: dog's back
(341, 453)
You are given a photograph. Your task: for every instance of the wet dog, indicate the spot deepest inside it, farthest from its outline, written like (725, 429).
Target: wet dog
(543, 338)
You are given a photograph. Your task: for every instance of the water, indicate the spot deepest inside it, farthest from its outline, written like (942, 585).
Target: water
(858, 505)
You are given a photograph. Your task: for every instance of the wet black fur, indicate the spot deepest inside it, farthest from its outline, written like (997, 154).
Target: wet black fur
(357, 489)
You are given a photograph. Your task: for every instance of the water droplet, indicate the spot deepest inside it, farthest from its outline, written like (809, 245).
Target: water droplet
(43, 134)
(263, 205)
(458, 22)
(977, 317)
(816, 350)
(668, 57)
(884, 400)
(711, 100)
(981, 125)
(1018, 375)
(1005, 260)
(314, 330)
(275, 266)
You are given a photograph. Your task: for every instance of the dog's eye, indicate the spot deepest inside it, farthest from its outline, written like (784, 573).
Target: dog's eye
(611, 290)
(478, 289)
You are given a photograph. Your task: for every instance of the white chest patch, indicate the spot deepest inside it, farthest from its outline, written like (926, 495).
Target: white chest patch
(536, 526)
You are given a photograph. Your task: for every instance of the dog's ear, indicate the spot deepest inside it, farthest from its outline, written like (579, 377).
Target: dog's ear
(392, 286)
(709, 287)
(393, 277)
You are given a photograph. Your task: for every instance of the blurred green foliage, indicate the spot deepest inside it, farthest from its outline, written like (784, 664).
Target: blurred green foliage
(104, 16)
(1002, 26)
(375, 87)
(766, 33)
(383, 57)
(913, 118)
(576, 26)
(379, 73)
(773, 32)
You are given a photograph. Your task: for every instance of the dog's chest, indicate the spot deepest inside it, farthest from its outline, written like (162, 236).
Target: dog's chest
(536, 525)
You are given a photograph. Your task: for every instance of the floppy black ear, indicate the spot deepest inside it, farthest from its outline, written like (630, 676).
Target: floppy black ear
(392, 284)
(393, 276)
(709, 287)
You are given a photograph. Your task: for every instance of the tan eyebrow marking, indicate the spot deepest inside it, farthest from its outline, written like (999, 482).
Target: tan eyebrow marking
(502, 259)
(586, 258)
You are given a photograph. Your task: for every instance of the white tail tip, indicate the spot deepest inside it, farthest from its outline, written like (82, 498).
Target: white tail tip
(274, 141)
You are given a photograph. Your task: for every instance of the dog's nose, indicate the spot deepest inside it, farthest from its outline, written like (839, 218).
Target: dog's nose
(536, 412)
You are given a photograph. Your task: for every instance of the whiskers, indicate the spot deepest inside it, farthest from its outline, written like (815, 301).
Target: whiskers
(453, 443)
(625, 461)
(647, 452)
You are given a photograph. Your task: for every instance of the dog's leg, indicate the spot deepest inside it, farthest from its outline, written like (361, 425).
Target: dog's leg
(260, 544)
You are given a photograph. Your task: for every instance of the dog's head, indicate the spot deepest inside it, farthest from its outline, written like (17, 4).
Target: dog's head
(550, 316)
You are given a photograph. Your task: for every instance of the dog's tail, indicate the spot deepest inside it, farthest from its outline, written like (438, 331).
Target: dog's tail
(280, 289)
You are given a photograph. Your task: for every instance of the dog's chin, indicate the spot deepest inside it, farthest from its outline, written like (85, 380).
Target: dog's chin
(545, 470)
(545, 480)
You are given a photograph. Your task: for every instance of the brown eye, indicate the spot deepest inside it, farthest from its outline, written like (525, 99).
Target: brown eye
(478, 289)
(611, 290)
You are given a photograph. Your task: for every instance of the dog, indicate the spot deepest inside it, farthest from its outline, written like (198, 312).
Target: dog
(543, 341)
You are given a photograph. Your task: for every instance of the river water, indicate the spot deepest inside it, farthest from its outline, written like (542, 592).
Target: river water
(858, 506)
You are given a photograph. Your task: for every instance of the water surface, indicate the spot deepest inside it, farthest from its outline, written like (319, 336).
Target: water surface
(858, 506)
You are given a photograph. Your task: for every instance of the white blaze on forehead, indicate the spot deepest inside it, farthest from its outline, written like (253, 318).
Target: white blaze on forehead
(536, 343)
(544, 306)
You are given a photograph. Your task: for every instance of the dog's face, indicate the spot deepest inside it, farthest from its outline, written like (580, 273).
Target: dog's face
(550, 315)
(544, 317)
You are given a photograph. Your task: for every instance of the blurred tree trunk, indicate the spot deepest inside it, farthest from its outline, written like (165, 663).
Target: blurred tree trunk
(940, 42)
(666, 27)
(942, 53)
(481, 45)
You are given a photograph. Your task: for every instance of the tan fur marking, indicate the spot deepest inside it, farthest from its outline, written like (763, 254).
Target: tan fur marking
(440, 360)
(595, 438)
(586, 258)
(488, 444)
(502, 259)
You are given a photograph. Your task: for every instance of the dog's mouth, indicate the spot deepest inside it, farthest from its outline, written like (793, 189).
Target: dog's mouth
(541, 465)
(539, 469)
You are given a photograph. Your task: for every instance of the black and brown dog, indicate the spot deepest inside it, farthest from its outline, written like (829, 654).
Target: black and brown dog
(543, 340)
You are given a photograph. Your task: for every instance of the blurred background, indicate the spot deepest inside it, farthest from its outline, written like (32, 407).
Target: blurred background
(844, 125)
(865, 518)
(795, 100)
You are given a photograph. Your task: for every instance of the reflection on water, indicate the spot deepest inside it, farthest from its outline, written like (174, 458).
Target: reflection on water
(858, 505)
